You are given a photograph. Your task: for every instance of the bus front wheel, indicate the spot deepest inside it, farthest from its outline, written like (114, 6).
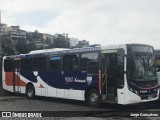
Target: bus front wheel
(30, 92)
(93, 98)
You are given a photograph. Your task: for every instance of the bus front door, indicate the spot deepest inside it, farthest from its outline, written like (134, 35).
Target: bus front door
(16, 76)
(109, 92)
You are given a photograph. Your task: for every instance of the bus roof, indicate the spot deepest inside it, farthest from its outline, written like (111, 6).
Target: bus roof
(67, 50)
(48, 50)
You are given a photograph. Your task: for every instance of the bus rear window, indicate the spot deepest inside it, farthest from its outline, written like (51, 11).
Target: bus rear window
(8, 65)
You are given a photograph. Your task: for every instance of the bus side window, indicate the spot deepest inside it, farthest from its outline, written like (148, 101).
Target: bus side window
(26, 64)
(54, 63)
(89, 62)
(8, 65)
(40, 64)
(70, 62)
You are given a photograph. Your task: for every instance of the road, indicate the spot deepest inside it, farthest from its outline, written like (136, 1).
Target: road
(60, 107)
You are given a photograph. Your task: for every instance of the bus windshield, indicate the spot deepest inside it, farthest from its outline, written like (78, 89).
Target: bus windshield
(141, 67)
(141, 63)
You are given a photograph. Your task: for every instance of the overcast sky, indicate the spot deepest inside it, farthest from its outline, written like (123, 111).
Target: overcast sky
(103, 22)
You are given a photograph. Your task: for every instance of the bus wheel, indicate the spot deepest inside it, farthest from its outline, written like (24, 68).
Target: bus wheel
(93, 98)
(30, 92)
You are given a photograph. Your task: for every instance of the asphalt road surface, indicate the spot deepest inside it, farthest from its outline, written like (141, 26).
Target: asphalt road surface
(69, 109)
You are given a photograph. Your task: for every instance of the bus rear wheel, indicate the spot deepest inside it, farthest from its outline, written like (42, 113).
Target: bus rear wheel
(30, 92)
(93, 98)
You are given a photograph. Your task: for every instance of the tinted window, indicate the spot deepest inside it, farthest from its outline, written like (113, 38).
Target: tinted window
(70, 62)
(140, 48)
(89, 62)
(54, 63)
(39, 64)
(120, 71)
(26, 64)
(8, 65)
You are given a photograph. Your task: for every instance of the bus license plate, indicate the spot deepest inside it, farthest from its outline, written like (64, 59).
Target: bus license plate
(150, 97)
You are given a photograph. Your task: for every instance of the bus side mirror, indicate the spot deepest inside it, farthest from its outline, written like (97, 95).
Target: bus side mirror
(120, 68)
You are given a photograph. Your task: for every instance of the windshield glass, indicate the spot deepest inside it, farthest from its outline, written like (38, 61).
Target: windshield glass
(141, 67)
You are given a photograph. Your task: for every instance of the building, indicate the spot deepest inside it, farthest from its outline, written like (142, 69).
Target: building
(73, 42)
(83, 43)
(59, 35)
(3, 29)
(37, 38)
(48, 38)
(41, 40)
(17, 35)
(3, 32)
(13, 28)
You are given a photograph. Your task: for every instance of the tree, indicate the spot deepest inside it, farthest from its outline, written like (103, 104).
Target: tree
(21, 46)
(28, 36)
(31, 46)
(35, 34)
(7, 46)
(48, 40)
(59, 42)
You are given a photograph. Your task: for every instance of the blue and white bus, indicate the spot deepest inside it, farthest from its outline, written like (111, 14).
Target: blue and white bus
(122, 74)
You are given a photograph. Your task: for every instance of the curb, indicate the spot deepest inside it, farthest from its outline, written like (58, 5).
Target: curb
(10, 98)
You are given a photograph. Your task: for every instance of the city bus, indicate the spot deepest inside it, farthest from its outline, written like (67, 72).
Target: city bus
(157, 58)
(122, 74)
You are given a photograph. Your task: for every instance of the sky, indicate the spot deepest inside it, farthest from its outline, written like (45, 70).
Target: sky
(105, 22)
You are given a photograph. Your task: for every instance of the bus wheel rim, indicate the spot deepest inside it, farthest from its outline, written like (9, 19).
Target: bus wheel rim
(30, 92)
(94, 98)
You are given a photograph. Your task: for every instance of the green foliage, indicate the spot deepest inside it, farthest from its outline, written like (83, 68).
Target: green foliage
(31, 46)
(29, 36)
(7, 46)
(21, 47)
(59, 42)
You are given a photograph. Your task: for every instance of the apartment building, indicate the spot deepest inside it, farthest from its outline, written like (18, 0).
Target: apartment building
(13, 28)
(3, 29)
(73, 42)
(16, 34)
(48, 37)
(83, 43)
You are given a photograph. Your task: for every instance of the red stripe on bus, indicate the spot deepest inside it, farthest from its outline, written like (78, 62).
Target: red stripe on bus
(41, 86)
(19, 82)
(99, 80)
(9, 78)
